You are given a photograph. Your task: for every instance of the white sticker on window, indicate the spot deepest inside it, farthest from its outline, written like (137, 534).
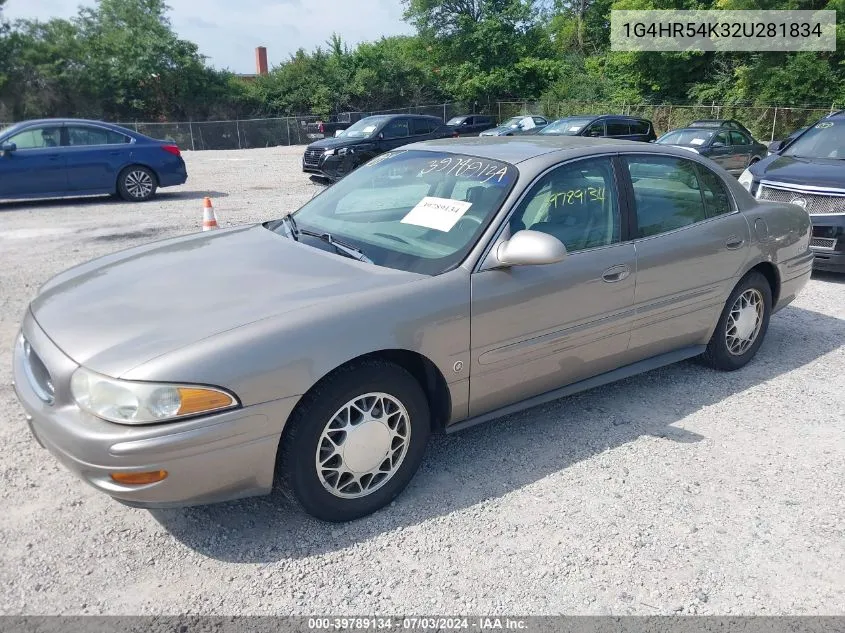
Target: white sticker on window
(574, 128)
(697, 141)
(440, 214)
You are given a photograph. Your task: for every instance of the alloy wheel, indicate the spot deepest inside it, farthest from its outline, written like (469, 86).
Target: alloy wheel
(139, 184)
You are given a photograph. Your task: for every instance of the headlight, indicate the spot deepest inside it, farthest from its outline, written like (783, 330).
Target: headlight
(343, 151)
(127, 402)
(745, 179)
(330, 152)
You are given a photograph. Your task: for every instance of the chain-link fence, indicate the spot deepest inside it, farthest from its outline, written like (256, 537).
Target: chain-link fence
(767, 123)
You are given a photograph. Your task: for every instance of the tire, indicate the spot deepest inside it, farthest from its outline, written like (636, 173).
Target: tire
(314, 427)
(726, 351)
(137, 183)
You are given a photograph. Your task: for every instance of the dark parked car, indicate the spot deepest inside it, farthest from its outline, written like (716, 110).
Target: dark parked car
(731, 149)
(728, 124)
(611, 126)
(53, 158)
(515, 126)
(810, 172)
(470, 124)
(331, 159)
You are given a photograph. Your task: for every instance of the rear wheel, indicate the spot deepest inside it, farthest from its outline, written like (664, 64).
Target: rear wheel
(355, 441)
(136, 183)
(742, 325)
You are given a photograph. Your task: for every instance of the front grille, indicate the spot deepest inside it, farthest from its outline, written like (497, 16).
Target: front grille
(814, 203)
(37, 375)
(823, 242)
(312, 157)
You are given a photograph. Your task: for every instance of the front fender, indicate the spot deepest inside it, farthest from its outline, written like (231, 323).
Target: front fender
(285, 356)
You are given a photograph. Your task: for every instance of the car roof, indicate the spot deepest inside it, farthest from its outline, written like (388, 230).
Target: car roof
(58, 121)
(518, 149)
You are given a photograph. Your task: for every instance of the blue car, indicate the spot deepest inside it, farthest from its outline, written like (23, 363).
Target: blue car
(51, 158)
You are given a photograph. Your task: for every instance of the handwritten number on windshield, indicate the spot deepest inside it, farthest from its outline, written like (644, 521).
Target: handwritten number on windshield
(467, 168)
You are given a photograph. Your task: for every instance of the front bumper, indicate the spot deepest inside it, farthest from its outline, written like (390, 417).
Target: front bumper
(828, 242)
(329, 167)
(208, 459)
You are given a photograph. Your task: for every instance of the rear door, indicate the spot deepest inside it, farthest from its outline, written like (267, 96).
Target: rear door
(537, 328)
(691, 244)
(37, 166)
(618, 128)
(95, 155)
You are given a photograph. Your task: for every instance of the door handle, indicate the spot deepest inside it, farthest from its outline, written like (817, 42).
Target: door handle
(734, 242)
(616, 273)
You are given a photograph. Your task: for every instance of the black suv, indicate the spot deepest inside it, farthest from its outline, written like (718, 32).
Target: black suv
(809, 170)
(626, 128)
(330, 159)
(470, 124)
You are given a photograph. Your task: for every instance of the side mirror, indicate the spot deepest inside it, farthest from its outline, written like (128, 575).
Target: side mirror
(775, 146)
(7, 148)
(530, 248)
(381, 136)
(717, 144)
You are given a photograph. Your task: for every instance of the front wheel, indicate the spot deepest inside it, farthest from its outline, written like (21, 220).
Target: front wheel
(355, 441)
(742, 325)
(136, 184)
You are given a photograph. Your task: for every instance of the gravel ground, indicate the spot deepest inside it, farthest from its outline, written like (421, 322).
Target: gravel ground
(682, 490)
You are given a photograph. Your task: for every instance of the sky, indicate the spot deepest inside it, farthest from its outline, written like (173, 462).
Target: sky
(227, 31)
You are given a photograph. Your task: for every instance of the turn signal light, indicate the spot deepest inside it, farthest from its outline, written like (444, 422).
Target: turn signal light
(201, 400)
(138, 479)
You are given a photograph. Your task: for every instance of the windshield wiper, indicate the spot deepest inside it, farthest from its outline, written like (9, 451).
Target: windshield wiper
(290, 223)
(346, 249)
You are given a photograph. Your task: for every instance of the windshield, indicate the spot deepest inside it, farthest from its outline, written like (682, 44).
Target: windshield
(363, 128)
(512, 122)
(693, 138)
(456, 120)
(824, 140)
(569, 127)
(412, 210)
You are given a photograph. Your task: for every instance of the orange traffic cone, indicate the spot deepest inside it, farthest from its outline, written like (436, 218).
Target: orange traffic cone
(209, 220)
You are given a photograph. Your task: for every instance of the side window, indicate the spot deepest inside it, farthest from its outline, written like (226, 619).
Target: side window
(576, 203)
(540, 121)
(667, 194)
(723, 138)
(738, 138)
(37, 138)
(470, 120)
(716, 198)
(596, 129)
(420, 126)
(639, 127)
(82, 135)
(398, 128)
(617, 128)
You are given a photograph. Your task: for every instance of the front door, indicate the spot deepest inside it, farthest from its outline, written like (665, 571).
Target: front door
(537, 328)
(37, 166)
(395, 134)
(721, 152)
(742, 150)
(691, 247)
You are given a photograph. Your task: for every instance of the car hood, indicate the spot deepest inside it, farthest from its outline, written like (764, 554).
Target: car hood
(817, 172)
(333, 142)
(117, 312)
